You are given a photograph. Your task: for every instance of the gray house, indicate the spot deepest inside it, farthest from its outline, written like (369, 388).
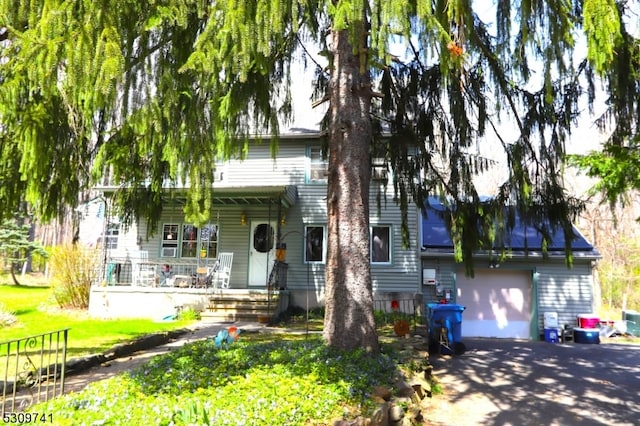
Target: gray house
(508, 298)
(259, 203)
(262, 204)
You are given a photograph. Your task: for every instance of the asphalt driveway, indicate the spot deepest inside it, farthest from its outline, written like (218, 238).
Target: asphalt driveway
(512, 382)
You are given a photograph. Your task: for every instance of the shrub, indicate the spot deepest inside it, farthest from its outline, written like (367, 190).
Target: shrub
(74, 269)
(298, 313)
(189, 314)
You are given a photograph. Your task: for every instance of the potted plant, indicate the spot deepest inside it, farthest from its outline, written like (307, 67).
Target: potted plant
(400, 325)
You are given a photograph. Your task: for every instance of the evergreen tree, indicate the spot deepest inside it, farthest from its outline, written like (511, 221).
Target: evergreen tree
(159, 90)
(617, 165)
(17, 245)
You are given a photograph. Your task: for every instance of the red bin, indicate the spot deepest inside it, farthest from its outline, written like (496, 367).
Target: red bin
(588, 321)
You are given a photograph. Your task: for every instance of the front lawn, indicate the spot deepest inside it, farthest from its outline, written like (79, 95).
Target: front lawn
(35, 312)
(262, 379)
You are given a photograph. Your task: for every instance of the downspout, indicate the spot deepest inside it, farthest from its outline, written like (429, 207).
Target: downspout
(107, 212)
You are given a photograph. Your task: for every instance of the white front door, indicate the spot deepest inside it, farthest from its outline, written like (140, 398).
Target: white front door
(262, 252)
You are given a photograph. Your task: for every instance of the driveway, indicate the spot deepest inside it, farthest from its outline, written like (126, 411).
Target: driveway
(513, 382)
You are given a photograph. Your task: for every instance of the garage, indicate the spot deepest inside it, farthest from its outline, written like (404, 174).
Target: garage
(498, 303)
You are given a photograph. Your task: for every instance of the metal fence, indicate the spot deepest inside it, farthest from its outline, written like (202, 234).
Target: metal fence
(388, 309)
(32, 370)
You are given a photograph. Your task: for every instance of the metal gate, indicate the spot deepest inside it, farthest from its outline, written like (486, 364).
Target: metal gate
(32, 370)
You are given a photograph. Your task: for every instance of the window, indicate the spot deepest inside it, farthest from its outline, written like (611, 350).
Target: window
(318, 166)
(263, 237)
(380, 244)
(209, 242)
(169, 240)
(315, 246)
(192, 242)
(111, 237)
(379, 171)
(189, 241)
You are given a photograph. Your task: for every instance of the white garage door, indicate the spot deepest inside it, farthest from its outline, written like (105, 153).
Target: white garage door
(498, 303)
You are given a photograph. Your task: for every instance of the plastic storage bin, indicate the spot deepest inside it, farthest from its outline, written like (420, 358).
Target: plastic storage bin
(551, 320)
(632, 319)
(586, 335)
(588, 321)
(551, 335)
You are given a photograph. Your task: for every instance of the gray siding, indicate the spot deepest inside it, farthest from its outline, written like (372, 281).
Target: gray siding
(402, 275)
(259, 168)
(289, 168)
(445, 277)
(569, 292)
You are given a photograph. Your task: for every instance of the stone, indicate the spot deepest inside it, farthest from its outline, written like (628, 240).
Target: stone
(382, 392)
(380, 416)
(404, 390)
(428, 372)
(396, 414)
(415, 414)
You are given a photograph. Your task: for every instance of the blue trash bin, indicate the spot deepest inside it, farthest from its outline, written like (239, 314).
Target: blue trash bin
(449, 316)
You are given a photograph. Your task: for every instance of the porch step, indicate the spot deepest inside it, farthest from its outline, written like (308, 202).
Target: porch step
(248, 305)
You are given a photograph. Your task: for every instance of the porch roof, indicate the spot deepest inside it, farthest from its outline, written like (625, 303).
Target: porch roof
(287, 195)
(246, 195)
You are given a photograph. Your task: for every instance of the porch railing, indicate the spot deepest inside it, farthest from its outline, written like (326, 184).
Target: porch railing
(32, 370)
(124, 271)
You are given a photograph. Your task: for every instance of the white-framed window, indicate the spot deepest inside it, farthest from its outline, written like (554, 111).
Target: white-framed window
(187, 240)
(379, 171)
(317, 165)
(380, 244)
(316, 247)
(209, 242)
(315, 243)
(170, 239)
(111, 236)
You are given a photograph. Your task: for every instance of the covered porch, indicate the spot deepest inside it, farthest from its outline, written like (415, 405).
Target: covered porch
(247, 223)
(180, 264)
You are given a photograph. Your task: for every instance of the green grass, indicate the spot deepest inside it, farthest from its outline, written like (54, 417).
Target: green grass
(37, 313)
(263, 379)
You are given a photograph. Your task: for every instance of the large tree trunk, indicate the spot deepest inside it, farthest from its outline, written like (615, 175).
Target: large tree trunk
(349, 321)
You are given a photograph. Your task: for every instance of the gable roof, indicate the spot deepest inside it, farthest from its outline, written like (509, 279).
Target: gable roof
(522, 238)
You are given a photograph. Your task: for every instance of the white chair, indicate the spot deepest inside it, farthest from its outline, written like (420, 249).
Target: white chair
(221, 273)
(143, 273)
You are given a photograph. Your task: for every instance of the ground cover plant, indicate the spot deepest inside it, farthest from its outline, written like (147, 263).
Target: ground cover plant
(262, 379)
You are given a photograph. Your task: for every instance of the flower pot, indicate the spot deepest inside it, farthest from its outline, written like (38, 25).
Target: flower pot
(401, 327)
